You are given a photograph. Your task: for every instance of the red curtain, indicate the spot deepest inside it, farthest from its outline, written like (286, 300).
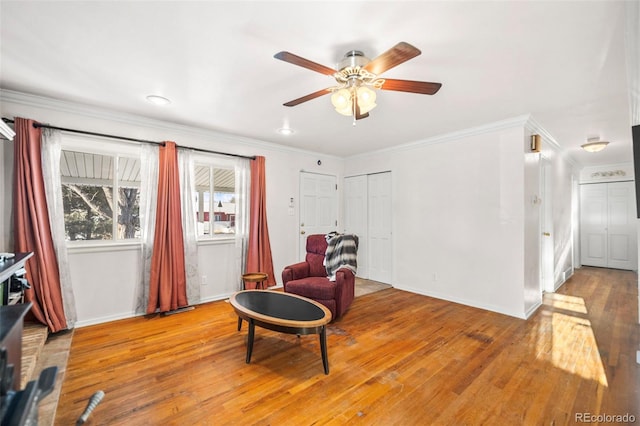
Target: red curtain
(259, 249)
(167, 283)
(32, 230)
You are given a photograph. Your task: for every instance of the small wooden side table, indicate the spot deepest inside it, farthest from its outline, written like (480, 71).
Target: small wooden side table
(254, 277)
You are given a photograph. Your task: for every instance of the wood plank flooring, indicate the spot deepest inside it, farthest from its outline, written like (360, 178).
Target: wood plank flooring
(396, 358)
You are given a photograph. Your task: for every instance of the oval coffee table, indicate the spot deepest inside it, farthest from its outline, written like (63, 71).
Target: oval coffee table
(282, 312)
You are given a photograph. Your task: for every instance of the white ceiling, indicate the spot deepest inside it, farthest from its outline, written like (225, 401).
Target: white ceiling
(561, 62)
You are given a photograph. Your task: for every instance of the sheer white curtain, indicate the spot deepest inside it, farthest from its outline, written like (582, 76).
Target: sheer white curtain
(148, 202)
(243, 182)
(189, 223)
(51, 152)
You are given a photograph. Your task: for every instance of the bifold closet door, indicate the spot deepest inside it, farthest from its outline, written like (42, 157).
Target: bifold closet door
(608, 235)
(368, 214)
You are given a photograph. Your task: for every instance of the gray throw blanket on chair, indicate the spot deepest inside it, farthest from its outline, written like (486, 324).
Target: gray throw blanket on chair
(342, 252)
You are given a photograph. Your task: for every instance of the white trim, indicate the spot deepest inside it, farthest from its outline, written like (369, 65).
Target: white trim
(632, 43)
(132, 119)
(105, 319)
(508, 123)
(214, 241)
(532, 310)
(526, 121)
(473, 304)
(101, 246)
(133, 314)
(78, 142)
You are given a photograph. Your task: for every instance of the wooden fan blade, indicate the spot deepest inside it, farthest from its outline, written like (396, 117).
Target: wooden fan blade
(398, 54)
(422, 87)
(304, 63)
(308, 97)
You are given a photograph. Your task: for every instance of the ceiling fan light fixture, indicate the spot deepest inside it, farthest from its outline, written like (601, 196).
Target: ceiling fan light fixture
(366, 99)
(594, 145)
(341, 100)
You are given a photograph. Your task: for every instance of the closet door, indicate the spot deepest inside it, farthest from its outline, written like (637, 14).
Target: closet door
(379, 218)
(355, 218)
(367, 212)
(593, 224)
(608, 236)
(621, 227)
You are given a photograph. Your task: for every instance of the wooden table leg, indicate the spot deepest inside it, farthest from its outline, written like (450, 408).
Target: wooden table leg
(323, 349)
(252, 328)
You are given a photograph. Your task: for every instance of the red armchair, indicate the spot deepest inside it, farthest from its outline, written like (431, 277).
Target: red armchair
(309, 279)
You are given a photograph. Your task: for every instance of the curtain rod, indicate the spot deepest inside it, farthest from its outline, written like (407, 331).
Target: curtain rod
(104, 135)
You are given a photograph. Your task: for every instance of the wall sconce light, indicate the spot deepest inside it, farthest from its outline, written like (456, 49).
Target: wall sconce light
(536, 143)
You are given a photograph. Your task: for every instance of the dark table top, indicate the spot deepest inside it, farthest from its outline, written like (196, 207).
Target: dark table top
(275, 305)
(10, 266)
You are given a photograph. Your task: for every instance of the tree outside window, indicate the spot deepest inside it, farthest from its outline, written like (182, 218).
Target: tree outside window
(101, 196)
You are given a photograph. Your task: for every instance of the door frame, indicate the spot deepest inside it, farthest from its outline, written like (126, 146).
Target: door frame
(547, 281)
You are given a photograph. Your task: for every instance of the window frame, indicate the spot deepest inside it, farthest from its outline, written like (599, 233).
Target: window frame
(113, 148)
(213, 161)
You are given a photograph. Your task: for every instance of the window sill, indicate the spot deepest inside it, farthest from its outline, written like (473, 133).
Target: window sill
(102, 246)
(216, 241)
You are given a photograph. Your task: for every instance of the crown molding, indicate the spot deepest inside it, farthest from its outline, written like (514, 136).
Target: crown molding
(525, 121)
(91, 111)
(534, 127)
(518, 121)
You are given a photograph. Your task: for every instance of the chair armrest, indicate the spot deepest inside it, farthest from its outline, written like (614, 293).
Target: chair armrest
(295, 272)
(345, 275)
(345, 289)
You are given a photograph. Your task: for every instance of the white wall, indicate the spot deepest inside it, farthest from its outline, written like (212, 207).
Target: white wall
(6, 160)
(532, 237)
(458, 217)
(563, 218)
(3, 181)
(104, 280)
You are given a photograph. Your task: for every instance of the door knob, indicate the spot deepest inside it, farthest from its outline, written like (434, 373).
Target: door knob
(302, 232)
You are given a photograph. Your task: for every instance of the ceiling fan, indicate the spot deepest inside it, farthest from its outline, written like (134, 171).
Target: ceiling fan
(357, 79)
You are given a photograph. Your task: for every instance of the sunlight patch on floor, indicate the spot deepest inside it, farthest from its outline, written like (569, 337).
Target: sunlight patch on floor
(568, 303)
(569, 342)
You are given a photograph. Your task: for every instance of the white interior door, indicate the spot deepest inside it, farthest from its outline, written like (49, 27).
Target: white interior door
(379, 229)
(621, 227)
(355, 218)
(318, 206)
(593, 224)
(608, 235)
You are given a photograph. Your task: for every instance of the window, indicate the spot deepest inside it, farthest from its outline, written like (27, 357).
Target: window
(101, 196)
(215, 200)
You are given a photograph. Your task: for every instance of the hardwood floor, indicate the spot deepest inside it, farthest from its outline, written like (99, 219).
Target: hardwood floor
(395, 358)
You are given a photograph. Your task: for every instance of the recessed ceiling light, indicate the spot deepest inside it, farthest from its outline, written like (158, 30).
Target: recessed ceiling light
(286, 131)
(158, 100)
